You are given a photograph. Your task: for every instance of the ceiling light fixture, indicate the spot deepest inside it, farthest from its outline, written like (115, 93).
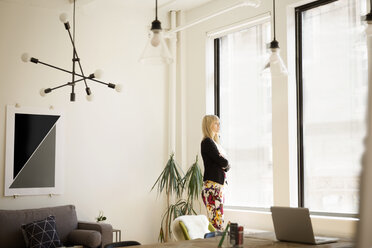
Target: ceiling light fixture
(92, 77)
(275, 64)
(156, 50)
(368, 18)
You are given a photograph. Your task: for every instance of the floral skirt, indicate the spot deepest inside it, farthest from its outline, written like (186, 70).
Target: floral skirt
(213, 199)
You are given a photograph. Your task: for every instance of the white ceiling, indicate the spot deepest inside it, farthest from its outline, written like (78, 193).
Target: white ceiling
(180, 4)
(164, 5)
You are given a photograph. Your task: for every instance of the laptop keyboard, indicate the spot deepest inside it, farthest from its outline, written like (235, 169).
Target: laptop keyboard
(323, 240)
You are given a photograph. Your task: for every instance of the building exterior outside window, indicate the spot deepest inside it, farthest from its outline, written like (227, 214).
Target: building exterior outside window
(332, 93)
(244, 102)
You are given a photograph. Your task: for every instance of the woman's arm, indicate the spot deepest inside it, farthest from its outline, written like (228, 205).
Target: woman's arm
(209, 148)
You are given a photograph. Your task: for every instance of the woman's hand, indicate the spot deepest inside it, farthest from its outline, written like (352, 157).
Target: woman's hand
(227, 168)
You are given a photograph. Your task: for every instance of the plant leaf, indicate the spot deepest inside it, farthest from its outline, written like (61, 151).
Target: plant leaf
(194, 181)
(170, 178)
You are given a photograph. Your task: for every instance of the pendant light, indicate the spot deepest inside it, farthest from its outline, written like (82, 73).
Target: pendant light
(368, 18)
(156, 50)
(275, 64)
(76, 76)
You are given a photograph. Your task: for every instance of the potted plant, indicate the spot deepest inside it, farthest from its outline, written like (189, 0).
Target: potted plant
(100, 217)
(176, 186)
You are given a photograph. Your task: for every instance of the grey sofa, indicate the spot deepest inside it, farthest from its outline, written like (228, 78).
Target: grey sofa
(69, 229)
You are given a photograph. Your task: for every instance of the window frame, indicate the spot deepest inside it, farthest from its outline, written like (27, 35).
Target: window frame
(215, 42)
(217, 74)
(299, 107)
(216, 38)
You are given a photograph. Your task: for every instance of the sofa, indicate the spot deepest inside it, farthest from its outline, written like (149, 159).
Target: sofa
(69, 229)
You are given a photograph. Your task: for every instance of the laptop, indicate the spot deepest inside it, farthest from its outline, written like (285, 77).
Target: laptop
(294, 225)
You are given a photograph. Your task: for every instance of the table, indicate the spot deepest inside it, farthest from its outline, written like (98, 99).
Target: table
(117, 234)
(264, 240)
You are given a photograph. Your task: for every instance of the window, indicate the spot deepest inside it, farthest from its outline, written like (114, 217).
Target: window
(243, 102)
(331, 101)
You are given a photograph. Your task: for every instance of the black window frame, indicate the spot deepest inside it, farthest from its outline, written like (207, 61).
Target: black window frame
(299, 101)
(217, 49)
(299, 96)
(217, 102)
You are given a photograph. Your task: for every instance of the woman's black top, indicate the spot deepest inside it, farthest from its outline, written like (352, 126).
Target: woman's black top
(214, 164)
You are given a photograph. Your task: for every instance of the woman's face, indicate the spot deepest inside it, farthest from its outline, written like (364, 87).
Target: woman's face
(215, 126)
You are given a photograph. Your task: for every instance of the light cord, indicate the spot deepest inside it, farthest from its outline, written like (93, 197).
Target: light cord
(274, 18)
(156, 9)
(73, 55)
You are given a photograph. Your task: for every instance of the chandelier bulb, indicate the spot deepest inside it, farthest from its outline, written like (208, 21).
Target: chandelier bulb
(89, 97)
(63, 18)
(25, 57)
(98, 74)
(118, 87)
(42, 92)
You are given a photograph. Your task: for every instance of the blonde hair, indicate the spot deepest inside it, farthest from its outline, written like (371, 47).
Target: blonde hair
(208, 120)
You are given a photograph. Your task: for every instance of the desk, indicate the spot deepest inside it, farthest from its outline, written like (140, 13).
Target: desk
(263, 240)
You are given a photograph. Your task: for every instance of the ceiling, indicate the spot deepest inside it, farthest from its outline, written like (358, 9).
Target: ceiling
(180, 4)
(164, 5)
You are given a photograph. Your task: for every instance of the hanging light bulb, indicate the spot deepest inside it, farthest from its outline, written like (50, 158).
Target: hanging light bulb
(156, 50)
(155, 41)
(89, 97)
(368, 18)
(63, 18)
(274, 65)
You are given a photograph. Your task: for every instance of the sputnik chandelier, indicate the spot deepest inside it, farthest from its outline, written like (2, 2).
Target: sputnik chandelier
(92, 77)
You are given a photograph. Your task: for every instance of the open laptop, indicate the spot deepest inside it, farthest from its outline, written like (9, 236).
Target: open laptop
(294, 225)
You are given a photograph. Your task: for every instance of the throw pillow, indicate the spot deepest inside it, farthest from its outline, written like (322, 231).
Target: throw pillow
(42, 233)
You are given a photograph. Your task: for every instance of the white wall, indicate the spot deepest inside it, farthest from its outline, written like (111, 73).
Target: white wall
(116, 146)
(198, 75)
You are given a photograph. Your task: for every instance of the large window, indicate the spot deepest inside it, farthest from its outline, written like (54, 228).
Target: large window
(332, 92)
(243, 102)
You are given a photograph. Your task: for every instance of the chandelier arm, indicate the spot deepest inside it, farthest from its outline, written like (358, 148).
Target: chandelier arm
(97, 81)
(72, 94)
(67, 71)
(73, 67)
(72, 84)
(70, 72)
(76, 56)
(55, 67)
(66, 84)
(81, 71)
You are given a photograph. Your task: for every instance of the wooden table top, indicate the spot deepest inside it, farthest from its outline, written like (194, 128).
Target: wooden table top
(264, 240)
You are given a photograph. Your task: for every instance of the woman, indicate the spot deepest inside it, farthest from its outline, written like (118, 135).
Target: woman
(215, 167)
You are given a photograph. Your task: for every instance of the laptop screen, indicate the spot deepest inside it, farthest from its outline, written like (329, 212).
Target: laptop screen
(292, 224)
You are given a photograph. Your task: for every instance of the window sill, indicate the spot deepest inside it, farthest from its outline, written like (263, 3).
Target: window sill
(343, 227)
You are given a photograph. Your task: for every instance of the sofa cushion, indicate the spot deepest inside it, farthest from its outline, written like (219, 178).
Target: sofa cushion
(87, 238)
(42, 233)
(11, 221)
